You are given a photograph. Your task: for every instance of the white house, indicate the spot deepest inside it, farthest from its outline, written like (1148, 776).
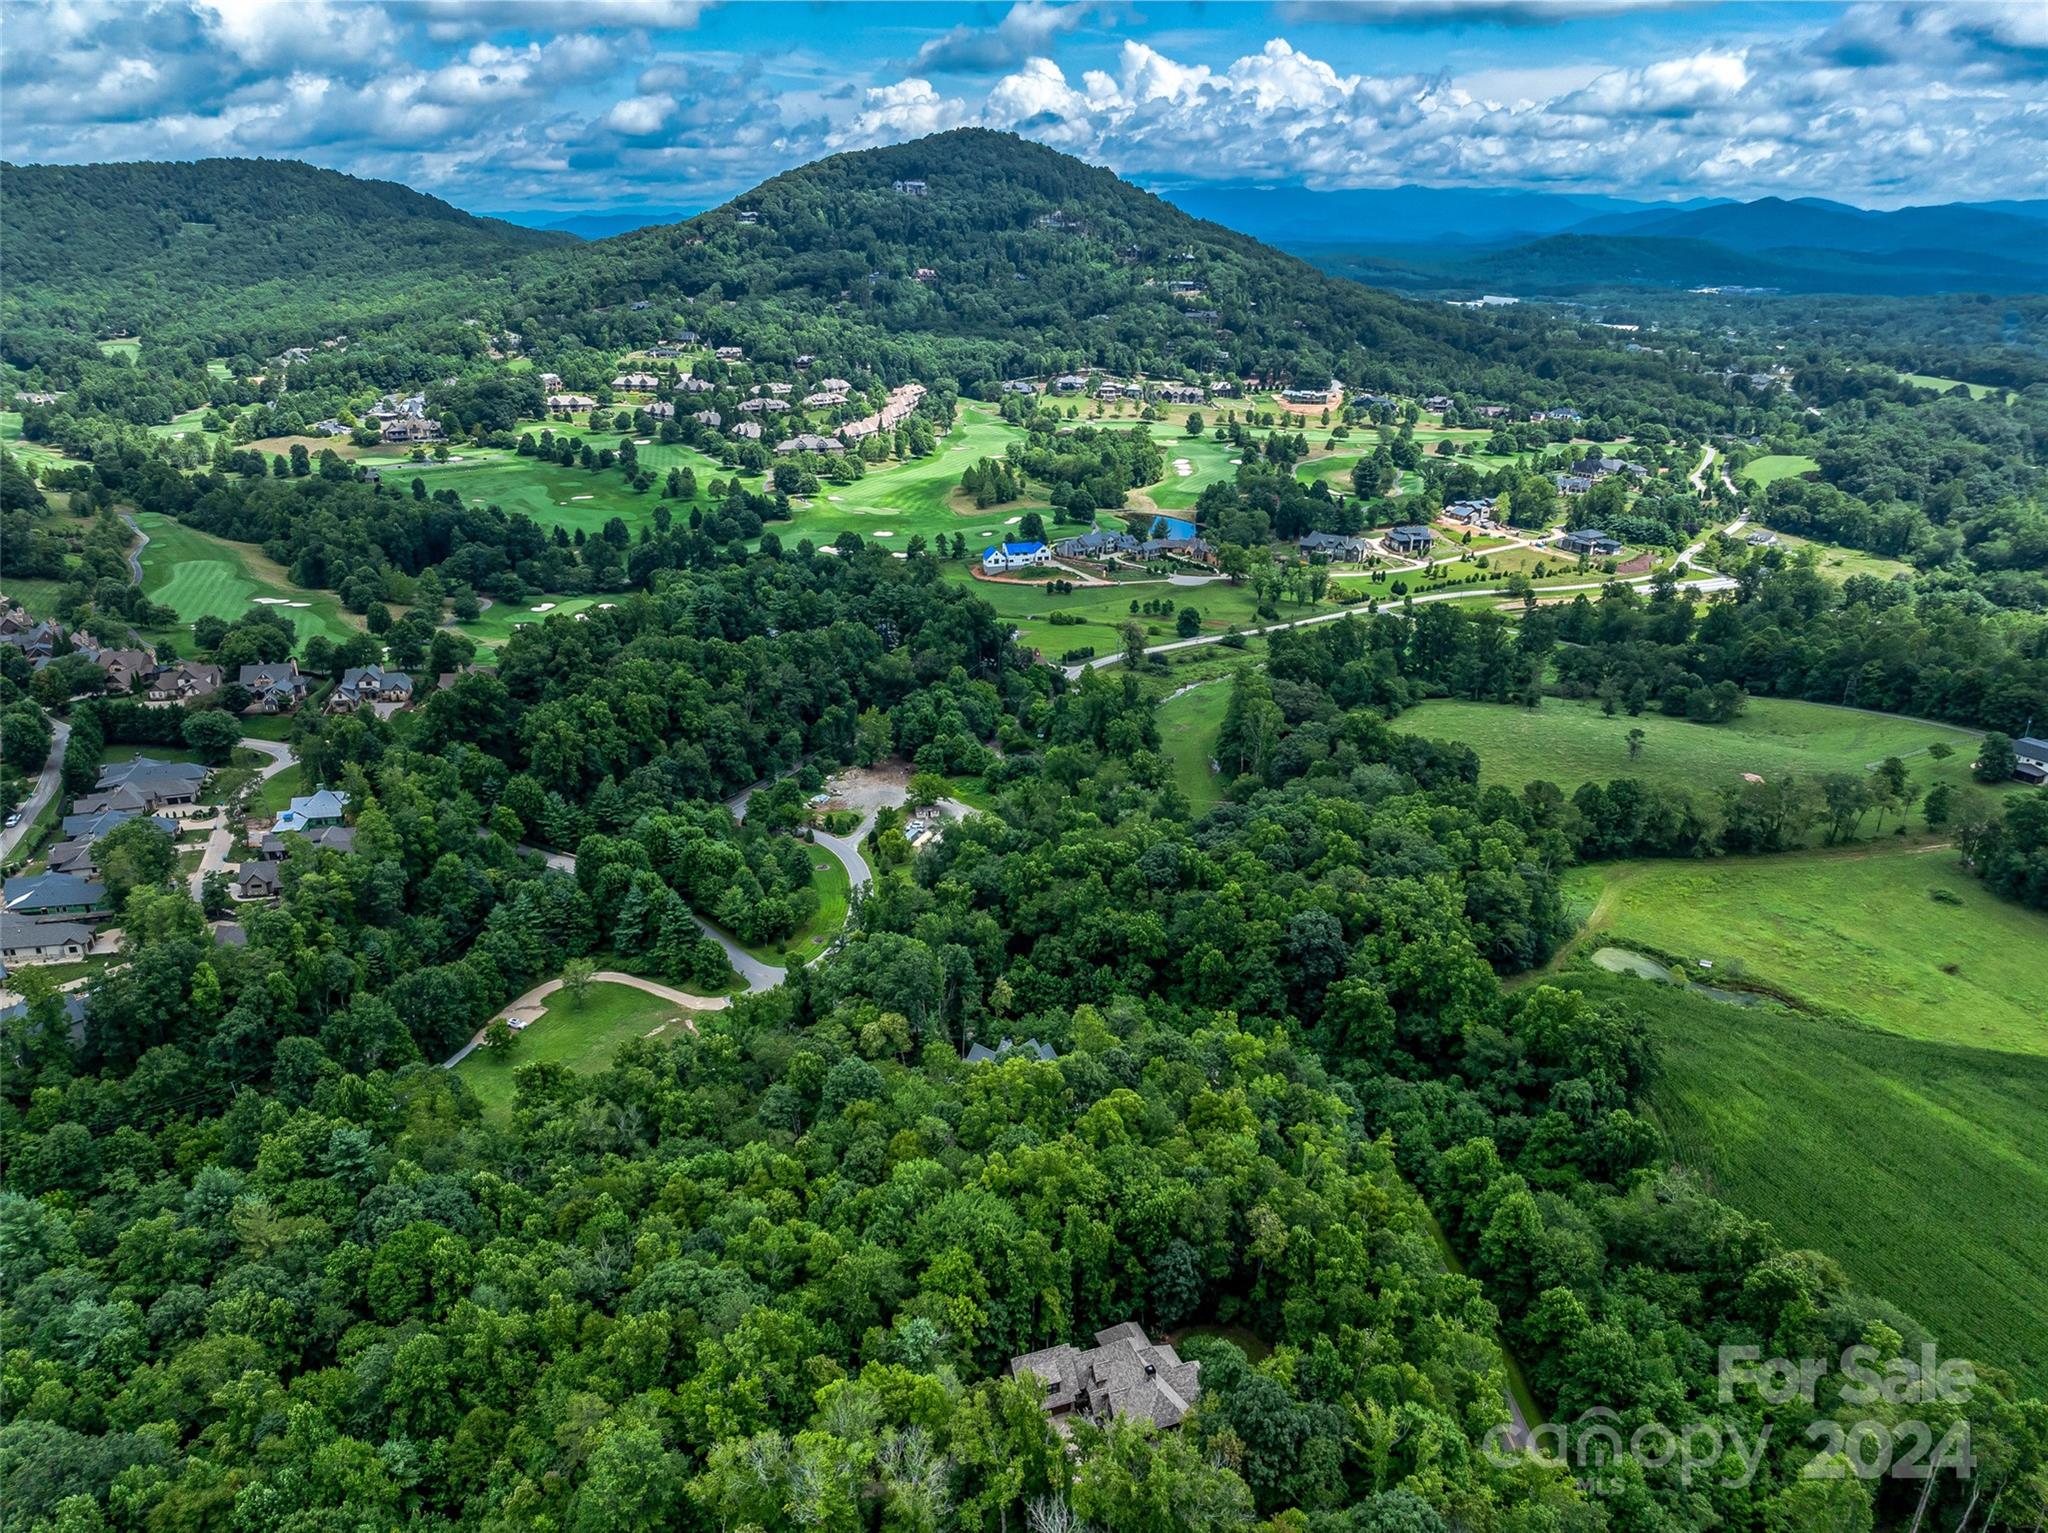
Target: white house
(999, 558)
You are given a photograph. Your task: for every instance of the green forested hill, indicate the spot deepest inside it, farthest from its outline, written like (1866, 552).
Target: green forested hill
(130, 246)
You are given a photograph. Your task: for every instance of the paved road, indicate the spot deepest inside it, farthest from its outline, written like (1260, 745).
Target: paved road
(530, 1004)
(220, 843)
(135, 553)
(1396, 604)
(45, 789)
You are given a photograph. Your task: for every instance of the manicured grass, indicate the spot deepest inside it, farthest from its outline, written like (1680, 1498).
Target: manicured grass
(204, 576)
(130, 344)
(32, 455)
(577, 499)
(494, 626)
(1103, 610)
(1943, 385)
(1839, 563)
(582, 1037)
(1772, 467)
(1188, 726)
(1569, 742)
(1915, 1165)
(1854, 931)
(39, 597)
(277, 793)
(835, 891)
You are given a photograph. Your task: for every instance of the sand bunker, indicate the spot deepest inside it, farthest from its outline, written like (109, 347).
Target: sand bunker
(1182, 467)
(546, 606)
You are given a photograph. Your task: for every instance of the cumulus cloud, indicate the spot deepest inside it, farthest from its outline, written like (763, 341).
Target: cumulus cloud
(1459, 13)
(891, 113)
(1027, 29)
(455, 20)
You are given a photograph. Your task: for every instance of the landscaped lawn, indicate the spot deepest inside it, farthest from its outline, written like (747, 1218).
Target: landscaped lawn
(277, 792)
(1569, 742)
(1103, 610)
(1857, 931)
(1916, 1165)
(204, 576)
(1839, 563)
(835, 891)
(583, 1037)
(1772, 467)
(1188, 726)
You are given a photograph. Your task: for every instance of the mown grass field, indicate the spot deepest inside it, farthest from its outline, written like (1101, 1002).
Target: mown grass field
(1852, 931)
(1772, 467)
(1914, 1164)
(1188, 726)
(493, 627)
(203, 576)
(582, 1037)
(31, 455)
(1943, 385)
(1103, 610)
(1569, 742)
(1839, 563)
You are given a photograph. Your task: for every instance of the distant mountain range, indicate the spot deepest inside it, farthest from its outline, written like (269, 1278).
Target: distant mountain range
(1452, 241)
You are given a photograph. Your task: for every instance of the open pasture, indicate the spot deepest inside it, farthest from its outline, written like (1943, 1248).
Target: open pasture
(1763, 472)
(1914, 1164)
(583, 1037)
(1896, 936)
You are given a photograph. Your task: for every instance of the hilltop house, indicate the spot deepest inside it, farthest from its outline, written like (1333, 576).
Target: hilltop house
(1411, 539)
(273, 686)
(1000, 558)
(1123, 1374)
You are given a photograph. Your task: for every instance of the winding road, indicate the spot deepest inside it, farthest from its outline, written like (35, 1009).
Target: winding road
(530, 1004)
(135, 553)
(220, 843)
(40, 795)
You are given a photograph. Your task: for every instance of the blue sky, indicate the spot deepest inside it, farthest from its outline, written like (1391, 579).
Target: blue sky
(664, 104)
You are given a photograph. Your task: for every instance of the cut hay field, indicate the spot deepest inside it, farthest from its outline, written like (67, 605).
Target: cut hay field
(582, 1037)
(1914, 1164)
(203, 576)
(1569, 742)
(1769, 469)
(1856, 932)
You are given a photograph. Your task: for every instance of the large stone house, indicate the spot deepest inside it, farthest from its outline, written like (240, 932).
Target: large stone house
(363, 684)
(274, 686)
(1124, 1374)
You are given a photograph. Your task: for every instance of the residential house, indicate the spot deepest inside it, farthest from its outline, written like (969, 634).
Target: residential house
(1438, 402)
(639, 383)
(1596, 466)
(143, 786)
(1069, 383)
(1097, 545)
(1411, 539)
(764, 406)
(411, 428)
(749, 218)
(1762, 539)
(273, 686)
(258, 881)
(550, 383)
(729, 354)
(96, 823)
(2030, 755)
(1222, 388)
(660, 410)
(748, 429)
(1000, 558)
(310, 811)
(1019, 386)
(38, 642)
(1589, 541)
(908, 188)
(1332, 545)
(36, 397)
(1303, 395)
(274, 847)
(1194, 550)
(1572, 484)
(1465, 512)
(841, 386)
(981, 1054)
(1177, 394)
(709, 418)
(24, 942)
(563, 404)
(808, 441)
(1123, 1374)
(692, 384)
(54, 894)
(125, 669)
(369, 684)
(74, 857)
(824, 399)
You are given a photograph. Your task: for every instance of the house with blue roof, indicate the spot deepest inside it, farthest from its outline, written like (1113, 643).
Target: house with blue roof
(1001, 558)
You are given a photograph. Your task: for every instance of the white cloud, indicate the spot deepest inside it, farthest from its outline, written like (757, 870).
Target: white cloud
(1026, 30)
(639, 116)
(263, 32)
(891, 113)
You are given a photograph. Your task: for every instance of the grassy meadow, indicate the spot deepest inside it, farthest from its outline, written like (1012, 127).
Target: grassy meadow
(1568, 742)
(1914, 1164)
(1769, 469)
(1188, 726)
(1856, 932)
(583, 1037)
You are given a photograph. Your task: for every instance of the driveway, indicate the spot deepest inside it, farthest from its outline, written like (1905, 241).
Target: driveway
(220, 841)
(529, 1007)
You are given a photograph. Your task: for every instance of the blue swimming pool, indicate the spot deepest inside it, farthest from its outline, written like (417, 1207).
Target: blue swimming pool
(1170, 527)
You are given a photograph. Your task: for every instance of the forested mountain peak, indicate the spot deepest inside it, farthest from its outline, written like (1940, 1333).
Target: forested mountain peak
(127, 244)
